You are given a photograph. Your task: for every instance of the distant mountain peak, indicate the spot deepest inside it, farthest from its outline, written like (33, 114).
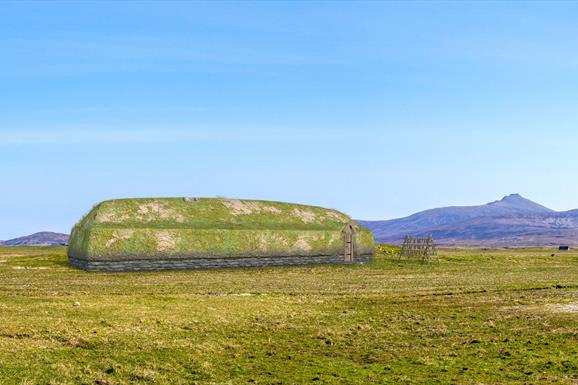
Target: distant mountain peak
(518, 202)
(512, 220)
(514, 196)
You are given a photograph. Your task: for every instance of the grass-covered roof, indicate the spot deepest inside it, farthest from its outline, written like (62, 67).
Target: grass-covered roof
(179, 228)
(212, 213)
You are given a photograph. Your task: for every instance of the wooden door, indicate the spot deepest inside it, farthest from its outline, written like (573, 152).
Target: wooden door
(348, 243)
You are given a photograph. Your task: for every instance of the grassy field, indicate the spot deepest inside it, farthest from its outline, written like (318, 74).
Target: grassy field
(469, 317)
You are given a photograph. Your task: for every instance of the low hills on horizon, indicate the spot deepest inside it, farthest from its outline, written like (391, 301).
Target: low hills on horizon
(512, 221)
(43, 238)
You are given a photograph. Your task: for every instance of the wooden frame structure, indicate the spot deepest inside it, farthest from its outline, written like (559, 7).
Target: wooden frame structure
(418, 248)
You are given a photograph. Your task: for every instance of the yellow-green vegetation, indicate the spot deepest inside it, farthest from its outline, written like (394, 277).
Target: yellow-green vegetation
(468, 317)
(387, 250)
(155, 228)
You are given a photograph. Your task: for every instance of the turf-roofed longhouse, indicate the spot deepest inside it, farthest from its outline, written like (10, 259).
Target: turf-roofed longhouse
(191, 233)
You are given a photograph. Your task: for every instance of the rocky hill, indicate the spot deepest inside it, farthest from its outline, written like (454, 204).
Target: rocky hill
(511, 221)
(44, 238)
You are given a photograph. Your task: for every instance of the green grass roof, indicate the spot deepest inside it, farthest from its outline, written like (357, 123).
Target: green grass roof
(212, 213)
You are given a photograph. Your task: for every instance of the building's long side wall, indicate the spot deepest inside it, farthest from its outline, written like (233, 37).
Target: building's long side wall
(105, 243)
(209, 263)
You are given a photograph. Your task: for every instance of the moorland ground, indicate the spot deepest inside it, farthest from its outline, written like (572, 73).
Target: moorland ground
(506, 316)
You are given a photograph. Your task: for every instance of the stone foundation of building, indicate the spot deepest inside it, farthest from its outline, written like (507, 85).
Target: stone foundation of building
(210, 263)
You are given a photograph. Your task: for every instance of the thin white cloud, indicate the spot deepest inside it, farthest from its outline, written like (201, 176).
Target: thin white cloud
(122, 110)
(111, 136)
(96, 135)
(119, 54)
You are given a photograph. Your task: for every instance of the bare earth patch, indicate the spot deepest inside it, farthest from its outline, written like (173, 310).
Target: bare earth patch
(238, 207)
(119, 235)
(547, 308)
(109, 216)
(337, 216)
(563, 308)
(304, 215)
(153, 210)
(165, 240)
(303, 243)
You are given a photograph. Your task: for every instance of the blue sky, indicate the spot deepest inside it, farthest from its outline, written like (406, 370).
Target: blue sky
(379, 109)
